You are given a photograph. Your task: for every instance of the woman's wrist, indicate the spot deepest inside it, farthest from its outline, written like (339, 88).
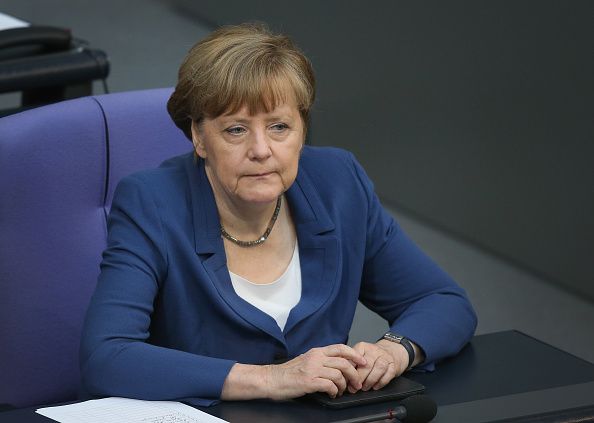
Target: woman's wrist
(400, 354)
(419, 354)
(397, 351)
(246, 381)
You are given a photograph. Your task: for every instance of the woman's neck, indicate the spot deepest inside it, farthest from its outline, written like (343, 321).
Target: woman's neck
(244, 220)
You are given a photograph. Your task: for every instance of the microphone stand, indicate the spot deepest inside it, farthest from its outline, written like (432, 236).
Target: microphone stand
(386, 416)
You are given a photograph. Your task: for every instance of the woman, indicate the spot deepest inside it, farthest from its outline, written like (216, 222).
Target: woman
(254, 249)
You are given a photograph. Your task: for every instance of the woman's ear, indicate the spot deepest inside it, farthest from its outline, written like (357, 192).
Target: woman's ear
(197, 140)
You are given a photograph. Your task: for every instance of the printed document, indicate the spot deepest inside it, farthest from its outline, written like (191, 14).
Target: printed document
(117, 410)
(8, 22)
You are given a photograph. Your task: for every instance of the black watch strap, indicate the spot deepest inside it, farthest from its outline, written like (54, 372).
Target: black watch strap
(389, 336)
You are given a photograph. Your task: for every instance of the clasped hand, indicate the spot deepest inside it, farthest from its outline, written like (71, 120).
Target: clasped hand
(336, 368)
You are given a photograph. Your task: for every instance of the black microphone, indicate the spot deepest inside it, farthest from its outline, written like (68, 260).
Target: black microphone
(414, 409)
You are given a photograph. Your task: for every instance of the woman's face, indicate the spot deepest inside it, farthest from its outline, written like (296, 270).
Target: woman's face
(251, 158)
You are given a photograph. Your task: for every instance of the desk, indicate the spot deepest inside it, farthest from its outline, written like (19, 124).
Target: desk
(504, 375)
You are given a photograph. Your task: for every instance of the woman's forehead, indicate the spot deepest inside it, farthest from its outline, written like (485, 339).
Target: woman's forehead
(265, 99)
(286, 108)
(283, 111)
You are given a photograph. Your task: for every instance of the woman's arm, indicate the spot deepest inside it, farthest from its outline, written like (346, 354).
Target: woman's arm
(418, 299)
(115, 357)
(330, 369)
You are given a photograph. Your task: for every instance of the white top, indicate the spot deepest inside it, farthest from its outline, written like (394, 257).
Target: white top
(276, 298)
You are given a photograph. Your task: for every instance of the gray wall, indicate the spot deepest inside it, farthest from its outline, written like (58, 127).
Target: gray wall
(476, 116)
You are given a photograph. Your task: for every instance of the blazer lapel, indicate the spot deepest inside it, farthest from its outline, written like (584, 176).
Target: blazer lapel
(319, 250)
(211, 251)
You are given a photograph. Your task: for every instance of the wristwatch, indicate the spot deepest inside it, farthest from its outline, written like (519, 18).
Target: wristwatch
(399, 339)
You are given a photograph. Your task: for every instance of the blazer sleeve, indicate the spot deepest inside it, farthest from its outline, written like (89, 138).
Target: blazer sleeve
(115, 357)
(404, 286)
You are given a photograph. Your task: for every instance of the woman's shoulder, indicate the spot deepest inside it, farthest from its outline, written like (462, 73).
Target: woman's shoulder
(167, 179)
(171, 169)
(325, 154)
(333, 172)
(328, 163)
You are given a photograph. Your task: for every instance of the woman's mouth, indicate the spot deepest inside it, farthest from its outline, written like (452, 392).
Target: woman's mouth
(260, 175)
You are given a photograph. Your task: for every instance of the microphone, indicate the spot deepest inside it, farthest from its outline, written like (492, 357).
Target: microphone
(414, 409)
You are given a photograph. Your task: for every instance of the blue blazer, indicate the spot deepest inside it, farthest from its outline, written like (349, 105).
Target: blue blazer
(165, 322)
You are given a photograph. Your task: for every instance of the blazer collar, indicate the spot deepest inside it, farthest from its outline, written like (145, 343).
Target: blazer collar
(207, 226)
(318, 248)
(309, 214)
(319, 251)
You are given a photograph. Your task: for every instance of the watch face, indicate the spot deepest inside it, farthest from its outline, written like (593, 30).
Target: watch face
(393, 338)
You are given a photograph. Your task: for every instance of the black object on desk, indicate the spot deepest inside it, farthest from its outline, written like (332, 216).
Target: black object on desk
(47, 65)
(504, 376)
(398, 389)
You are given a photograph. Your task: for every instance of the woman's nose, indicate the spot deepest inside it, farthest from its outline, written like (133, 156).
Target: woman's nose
(259, 146)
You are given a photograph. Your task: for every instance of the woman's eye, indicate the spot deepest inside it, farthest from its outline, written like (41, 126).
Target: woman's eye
(235, 130)
(278, 127)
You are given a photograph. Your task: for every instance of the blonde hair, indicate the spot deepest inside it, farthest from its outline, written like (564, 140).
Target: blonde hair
(237, 66)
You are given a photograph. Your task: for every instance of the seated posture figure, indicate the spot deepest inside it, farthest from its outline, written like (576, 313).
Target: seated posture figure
(233, 272)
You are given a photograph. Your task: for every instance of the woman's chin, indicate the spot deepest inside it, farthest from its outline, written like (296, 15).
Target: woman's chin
(260, 197)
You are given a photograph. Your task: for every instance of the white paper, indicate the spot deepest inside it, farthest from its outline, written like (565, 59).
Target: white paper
(7, 22)
(118, 410)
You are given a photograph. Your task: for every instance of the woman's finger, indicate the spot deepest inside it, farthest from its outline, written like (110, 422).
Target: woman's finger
(364, 371)
(380, 367)
(386, 378)
(344, 351)
(348, 370)
(335, 376)
(324, 385)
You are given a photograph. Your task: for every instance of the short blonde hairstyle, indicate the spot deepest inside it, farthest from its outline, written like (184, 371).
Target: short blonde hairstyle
(237, 66)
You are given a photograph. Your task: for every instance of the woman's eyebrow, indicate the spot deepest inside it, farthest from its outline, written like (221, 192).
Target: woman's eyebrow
(226, 120)
(280, 116)
(229, 119)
